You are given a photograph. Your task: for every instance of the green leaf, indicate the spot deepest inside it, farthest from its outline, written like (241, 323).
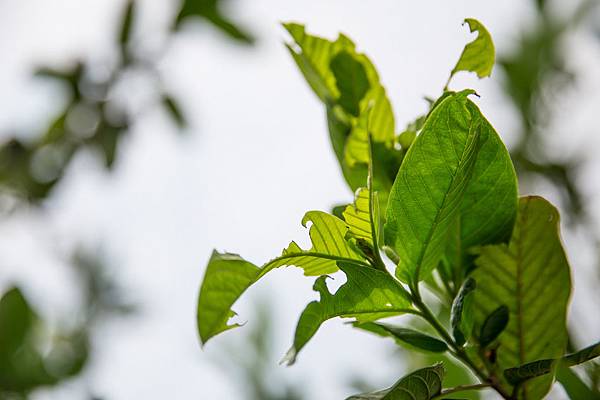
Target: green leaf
(531, 277)
(351, 80)
(406, 336)
(423, 384)
(478, 56)
(172, 107)
(460, 313)
(456, 177)
(493, 325)
(125, 34)
(574, 386)
(358, 216)
(210, 11)
(367, 295)
(227, 276)
(356, 103)
(542, 367)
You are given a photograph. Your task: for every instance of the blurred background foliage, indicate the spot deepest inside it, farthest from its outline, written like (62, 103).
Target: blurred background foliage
(97, 114)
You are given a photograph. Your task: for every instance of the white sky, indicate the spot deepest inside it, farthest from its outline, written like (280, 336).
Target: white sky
(256, 157)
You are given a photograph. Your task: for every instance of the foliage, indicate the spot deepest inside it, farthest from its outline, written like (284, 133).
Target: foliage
(452, 221)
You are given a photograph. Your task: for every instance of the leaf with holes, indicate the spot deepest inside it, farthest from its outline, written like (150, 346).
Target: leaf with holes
(478, 56)
(367, 295)
(531, 277)
(228, 275)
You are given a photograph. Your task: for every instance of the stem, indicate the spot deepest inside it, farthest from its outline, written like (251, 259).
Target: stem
(461, 388)
(457, 351)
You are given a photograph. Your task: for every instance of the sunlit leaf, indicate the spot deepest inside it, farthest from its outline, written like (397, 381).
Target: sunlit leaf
(356, 108)
(423, 384)
(478, 56)
(531, 277)
(456, 175)
(227, 276)
(367, 295)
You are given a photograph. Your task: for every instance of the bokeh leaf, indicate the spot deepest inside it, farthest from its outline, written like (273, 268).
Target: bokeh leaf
(531, 277)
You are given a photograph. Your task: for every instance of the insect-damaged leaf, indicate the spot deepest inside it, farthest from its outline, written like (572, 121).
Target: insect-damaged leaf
(478, 56)
(227, 276)
(367, 295)
(531, 277)
(356, 108)
(456, 176)
(423, 384)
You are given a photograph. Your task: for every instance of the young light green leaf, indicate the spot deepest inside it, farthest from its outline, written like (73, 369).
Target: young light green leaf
(411, 337)
(478, 56)
(457, 174)
(542, 367)
(531, 276)
(460, 313)
(336, 72)
(367, 295)
(228, 275)
(493, 325)
(358, 216)
(423, 384)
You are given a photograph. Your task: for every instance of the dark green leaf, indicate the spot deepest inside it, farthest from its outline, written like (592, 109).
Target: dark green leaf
(543, 367)
(460, 313)
(423, 384)
(125, 34)
(174, 111)
(478, 56)
(367, 295)
(457, 176)
(493, 325)
(351, 80)
(210, 11)
(531, 277)
(406, 336)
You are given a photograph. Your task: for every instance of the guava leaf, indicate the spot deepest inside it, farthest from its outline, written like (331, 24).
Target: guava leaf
(367, 295)
(460, 313)
(227, 276)
(493, 325)
(336, 72)
(358, 216)
(457, 176)
(542, 367)
(411, 337)
(423, 384)
(478, 56)
(575, 387)
(531, 277)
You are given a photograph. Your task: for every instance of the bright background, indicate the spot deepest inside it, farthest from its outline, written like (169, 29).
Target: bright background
(254, 159)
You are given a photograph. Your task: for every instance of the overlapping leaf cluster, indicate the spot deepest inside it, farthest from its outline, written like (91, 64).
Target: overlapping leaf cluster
(450, 219)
